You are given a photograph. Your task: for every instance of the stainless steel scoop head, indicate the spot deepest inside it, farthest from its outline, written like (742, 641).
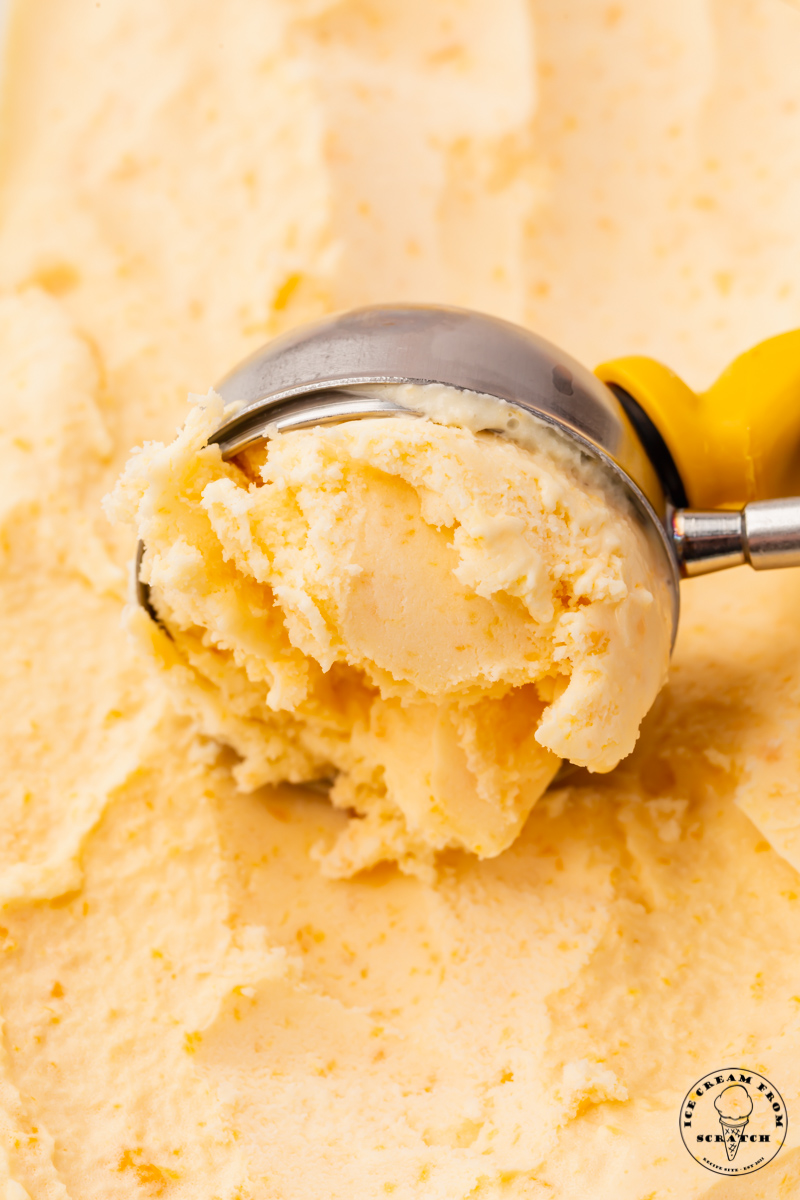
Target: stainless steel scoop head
(303, 378)
(427, 344)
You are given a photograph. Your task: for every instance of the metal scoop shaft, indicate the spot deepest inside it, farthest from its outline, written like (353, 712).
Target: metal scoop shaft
(765, 534)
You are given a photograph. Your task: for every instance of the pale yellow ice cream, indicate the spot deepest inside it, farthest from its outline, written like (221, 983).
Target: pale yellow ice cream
(190, 1008)
(429, 614)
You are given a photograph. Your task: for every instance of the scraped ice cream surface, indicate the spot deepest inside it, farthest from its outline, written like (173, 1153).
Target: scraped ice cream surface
(191, 1006)
(429, 612)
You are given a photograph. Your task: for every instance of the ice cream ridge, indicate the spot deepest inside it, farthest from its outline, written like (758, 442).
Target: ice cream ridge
(431, 614)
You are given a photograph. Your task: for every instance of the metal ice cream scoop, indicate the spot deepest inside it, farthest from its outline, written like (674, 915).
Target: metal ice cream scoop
(730, 453)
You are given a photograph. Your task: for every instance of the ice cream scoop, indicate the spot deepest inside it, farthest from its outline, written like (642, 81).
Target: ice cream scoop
(708, 475)
(734, 1106)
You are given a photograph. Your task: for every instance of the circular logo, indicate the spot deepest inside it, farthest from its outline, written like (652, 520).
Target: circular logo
(733, 1121)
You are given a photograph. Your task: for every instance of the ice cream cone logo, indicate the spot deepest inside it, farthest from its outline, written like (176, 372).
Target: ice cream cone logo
(734, 1107)
(733, 1121)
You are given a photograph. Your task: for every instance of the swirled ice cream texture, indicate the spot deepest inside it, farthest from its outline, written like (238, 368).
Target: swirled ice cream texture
(431, 614)
(189, 1007)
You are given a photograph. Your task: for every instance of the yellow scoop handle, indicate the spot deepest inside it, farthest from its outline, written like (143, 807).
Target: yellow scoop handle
(737, 442)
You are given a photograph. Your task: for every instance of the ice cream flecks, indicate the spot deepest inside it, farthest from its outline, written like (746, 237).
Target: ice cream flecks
(189, 1006)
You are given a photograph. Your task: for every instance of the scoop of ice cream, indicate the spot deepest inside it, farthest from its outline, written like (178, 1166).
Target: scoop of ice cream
(430, 614)
(734, 1103)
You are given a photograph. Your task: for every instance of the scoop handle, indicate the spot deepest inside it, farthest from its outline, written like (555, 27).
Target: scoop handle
(735, 443)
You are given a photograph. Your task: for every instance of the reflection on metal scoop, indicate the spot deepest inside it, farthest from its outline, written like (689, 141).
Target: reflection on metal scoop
(321, 374)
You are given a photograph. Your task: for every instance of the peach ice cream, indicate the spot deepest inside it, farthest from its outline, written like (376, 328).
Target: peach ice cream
(190, 1007)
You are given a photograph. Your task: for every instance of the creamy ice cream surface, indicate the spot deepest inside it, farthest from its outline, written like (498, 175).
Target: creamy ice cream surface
(191, 1007)
(430, 614)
